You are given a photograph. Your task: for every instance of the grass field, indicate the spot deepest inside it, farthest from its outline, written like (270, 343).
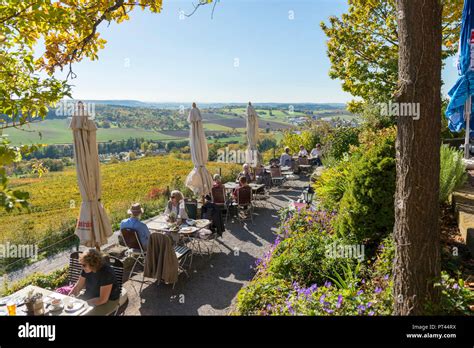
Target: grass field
(55, 197)
(57, 132)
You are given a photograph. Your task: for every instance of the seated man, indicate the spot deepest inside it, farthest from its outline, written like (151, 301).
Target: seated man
(315, 158)
(134, 223)
(285, 159)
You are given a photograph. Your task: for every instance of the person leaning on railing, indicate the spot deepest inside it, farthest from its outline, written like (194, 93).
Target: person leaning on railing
(98, 278)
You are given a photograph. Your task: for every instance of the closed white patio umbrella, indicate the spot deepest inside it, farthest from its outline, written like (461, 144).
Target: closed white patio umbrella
(199, 180)
(93, 227)
(252, 155)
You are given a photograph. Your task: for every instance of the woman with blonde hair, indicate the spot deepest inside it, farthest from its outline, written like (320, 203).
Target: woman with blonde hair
(176, 206)
(99, 281)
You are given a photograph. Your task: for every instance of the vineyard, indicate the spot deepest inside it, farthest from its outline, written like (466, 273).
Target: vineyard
(55, 197)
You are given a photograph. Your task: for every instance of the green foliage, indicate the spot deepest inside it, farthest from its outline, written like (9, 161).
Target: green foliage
(363, 47)
(50, 281)
(452, 174)
(383, 264)
(9, 155)
(307, 138)
(366, 210)
(331, 185)
(261, 292)
(340, 140)
(455, 297)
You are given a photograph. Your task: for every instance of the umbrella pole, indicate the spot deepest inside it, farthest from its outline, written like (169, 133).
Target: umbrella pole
(467, 112)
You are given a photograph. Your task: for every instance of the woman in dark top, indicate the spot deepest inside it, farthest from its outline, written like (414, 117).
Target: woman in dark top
(98, 279)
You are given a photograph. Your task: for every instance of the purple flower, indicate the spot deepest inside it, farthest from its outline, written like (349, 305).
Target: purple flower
(363, 281)
(339, 301)
(290, 308)
(385, 277)
(330, 311)
(321, 299)
(327, 284)
(360, 292)
(371, 313)
(456, 286)
(369, 304)
(378, 290)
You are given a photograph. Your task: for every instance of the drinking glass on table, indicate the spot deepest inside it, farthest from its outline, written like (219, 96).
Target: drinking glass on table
(11, 307)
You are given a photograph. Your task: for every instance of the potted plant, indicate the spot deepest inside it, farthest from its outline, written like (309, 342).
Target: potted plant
(34, 303)
(172, 217)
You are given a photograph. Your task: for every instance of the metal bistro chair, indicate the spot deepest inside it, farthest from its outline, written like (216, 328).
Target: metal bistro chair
(75, 270)
(191, 207)
(277, 177)
(244, 202)
(303, 164)
(135, 250)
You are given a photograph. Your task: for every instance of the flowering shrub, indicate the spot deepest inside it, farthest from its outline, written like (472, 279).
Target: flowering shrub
(328, 299)
(455, 297)
(156, 192)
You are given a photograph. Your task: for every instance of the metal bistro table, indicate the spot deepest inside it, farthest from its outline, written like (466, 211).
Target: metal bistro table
(282, 168)
(186, 234)
(232, 185)
(80, 307)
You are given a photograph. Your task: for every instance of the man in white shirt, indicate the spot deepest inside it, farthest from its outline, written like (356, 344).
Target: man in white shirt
(316, 155)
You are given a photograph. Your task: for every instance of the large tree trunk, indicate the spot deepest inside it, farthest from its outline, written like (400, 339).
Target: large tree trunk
(416, 231)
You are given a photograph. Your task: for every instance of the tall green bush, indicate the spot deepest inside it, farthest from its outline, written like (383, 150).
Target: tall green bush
(366, 210)
(339, 141)
(361, 189)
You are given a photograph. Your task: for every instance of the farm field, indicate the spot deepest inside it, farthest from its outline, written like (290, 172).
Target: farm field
(56, 131)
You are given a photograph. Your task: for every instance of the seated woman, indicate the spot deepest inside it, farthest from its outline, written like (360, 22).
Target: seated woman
(176, 206)
(99, 280)
(217, 181)
(246, 173)
(303, 152)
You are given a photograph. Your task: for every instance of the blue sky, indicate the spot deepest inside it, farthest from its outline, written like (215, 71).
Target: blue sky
(250, 50)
